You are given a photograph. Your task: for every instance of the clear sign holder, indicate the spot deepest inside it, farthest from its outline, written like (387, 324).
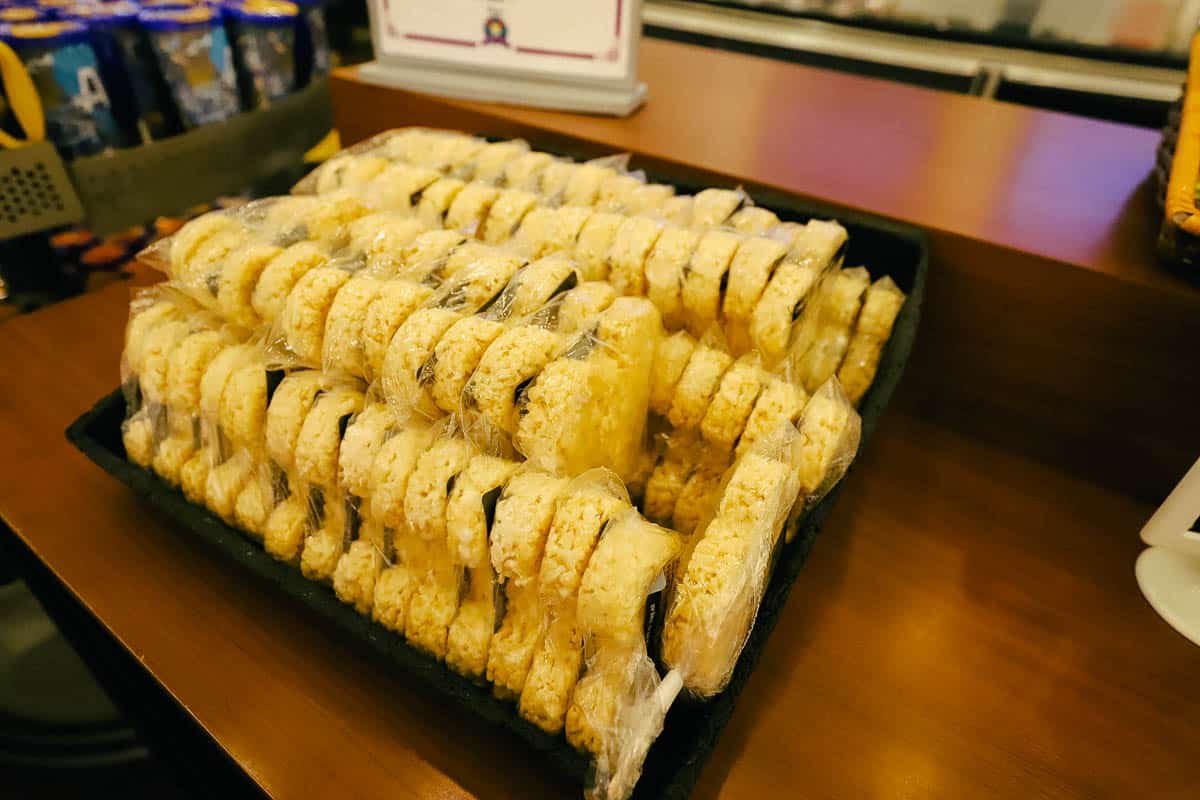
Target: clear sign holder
(1168, 572)
(572, 56)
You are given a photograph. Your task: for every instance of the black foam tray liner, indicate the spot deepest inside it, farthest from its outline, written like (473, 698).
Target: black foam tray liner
(692, 728)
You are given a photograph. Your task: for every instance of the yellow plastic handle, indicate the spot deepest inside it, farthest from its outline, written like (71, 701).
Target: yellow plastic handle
(24, 99)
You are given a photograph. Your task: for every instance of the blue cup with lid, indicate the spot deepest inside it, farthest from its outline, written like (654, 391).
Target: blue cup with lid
(64, 68)
(196, 62)
(140, 97)
(264, 38)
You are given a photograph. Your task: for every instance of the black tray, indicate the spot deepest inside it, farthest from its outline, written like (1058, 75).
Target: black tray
(691, 730)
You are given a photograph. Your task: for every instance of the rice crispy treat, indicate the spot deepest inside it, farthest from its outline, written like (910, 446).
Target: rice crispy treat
(666, 482)
(327, 218)
(712, 207)
(555, 177)
(698, 497)
(137, 435)
(664, 273)
(325, 543)
(382, 239)
(404, 373)
(429, 487)
(635, 239)
(398, 187)
(477, 281)
(677, 210)
(506, 214)
(753, 264)
(281, 274)
(471, 508)
(391, 471)
(255, 501)
(243, 409)
(704, 277)
(513, 644)
(535, 285)
(648, 199)
(225, 482)
(515, 356)
(356, 573)
(238, 277)
(435, 598)
(830, 431)
(436, 201)
(305, 312)
(671, 357)
(779, 402)
(321, 435)
(576, 308)
(470, 634)
(583, 511)
(490, 162)
(455, 357)
(616, 192)
(731, 406)
(342, 347)
(525, 171)
(188, 239)
(289, 405)
(362, 440)
(551, 230)
(157, 345)
(594, 243)
(841, 302)
(553, 672)
(470, 207)
(424, 258)
(629, 559)
(522, 521)
(697, 385)
(584, 185)
(874, 327)
(286, 528)
(753, 221)
(781, 304)
(394, 302)
(193, 476)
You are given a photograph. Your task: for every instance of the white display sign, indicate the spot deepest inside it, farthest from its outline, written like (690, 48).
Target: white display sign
(572, 54)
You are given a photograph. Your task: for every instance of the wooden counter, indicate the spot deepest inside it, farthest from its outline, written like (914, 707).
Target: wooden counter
(968, 625)
(1050, 329)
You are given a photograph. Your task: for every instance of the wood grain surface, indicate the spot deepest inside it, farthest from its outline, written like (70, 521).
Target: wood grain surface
(1050, 328)
(967, 626)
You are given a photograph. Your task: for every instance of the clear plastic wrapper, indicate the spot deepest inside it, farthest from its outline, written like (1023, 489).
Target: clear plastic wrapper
(488, 165)
(634, 240)
(699, 381)
(648, 199)
(815, 358)
(698, 495)
(583, 188)
(677, 210)
(783, 308)
(779, 400)
(437, 592)
(619, 703)
(553, 671)
(733, 402)
(594, 242)
(671, 358)
(584, 508)
(525, 171)
(713, 207)
(588, 406)
(382, 239)
(545, 231)
(705, 277)
(393, 303)
(471, 508)
(515, 357)
(880, 308)
(573, 311)
(398, 188)
(555, 178)
(470, 207)
(436, 200)
(279, 276)
(753, 221)
(830, 431)
(715, 597)
(616, 192)
(505, 215)
(298, 338)
(675, 465)
(664, 273)
(753, 264)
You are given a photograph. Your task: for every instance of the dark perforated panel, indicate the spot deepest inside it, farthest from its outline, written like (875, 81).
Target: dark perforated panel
(35, 193)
